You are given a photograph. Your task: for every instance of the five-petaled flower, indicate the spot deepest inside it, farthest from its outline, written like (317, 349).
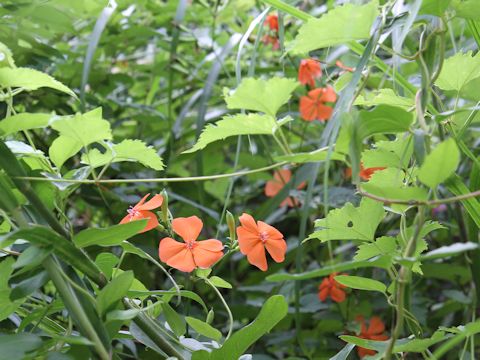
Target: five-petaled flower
(308, 71)
(313, 105)
(188, 255)
(365, 173)
(330, 287)
(374, 331)
(142, 211)
(255, 237)
(274, 186)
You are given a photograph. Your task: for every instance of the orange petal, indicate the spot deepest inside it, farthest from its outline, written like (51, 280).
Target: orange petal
(207, 252)
(277, 249)
(379, 337)
(152, 220)
(307, 108)
(183, 261)
(247, 239)
(323, 293)
(324, 112)
(376, 326)
(272, 188)
(153, 203)
(188, 228)
(257, 257)
(248, 222)
(140, 203)
(270, 230)
(283, 176)
(324, 284)
(362, 352)
(338, 295)
(328, 95)
(168, 248)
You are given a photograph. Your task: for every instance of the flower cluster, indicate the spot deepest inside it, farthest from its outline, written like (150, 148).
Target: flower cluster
(271, 38)
(255, 239)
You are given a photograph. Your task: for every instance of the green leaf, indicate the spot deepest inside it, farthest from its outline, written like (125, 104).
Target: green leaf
(382, 262)
(274, 310)
(467, 9)
(23, 121)
(29, 285)
(361, 283)
(340, 25)
(204, 329)
(241, 124)
(350, 223)
(112, 236)
(343, 354)
(458, 70)
(30, 79)
(313, 156)
(379, 346)
(384, 119)
(457, 187)
(262, 95)
(16, 347)
(114, 291)
(7, 307)
(440, 164)
(394, 154)
(32, 257)
(77, 132)
(385, 97)
(449, 251)
(169, 294)
(174, 320)
(434, 7)
(127, 150)
(219, 282)
(384, 245)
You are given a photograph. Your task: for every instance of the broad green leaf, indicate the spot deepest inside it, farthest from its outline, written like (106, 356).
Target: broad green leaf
(127, 150)
(313, 156)
(174, 320)
(266, 96)
(6, 57)
(379, 346)
(361, 283)
(434, 7)
(219, 282)
(458, 70)
(114, 291)
(106, 262)
(112, 236)
(274, 310)
(394, 154)
(6, 305)
(23, 121)
(76, 132)
(340, 25)
(204, 329)
(241, 124)
(350, 223)
(30, 79)
(383, 119)
(467, 9)
(382, 262)
(169, 294)
(384, 245)
(16, 346)
(29, 285)
(31, 257)
(385, 97)
(440, 164)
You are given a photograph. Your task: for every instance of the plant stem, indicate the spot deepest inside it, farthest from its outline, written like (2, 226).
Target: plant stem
(229, 312)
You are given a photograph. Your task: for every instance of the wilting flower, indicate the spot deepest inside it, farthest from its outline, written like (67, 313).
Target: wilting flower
(308, 71)
(312, 106)
(142, 211)
(190, 254)
(254, 237)
(374, 331)
(280, 179)
(365, 173)
(272, 22)
(330, 287)
(343, 67)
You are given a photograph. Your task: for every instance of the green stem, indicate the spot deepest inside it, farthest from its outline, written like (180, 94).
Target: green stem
(229, 312)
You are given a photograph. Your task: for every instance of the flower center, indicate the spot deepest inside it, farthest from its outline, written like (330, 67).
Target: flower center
(190, 244)
(132, 212)
(263, 236)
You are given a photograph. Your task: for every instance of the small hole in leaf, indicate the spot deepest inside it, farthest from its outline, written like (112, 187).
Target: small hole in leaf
(350, 224)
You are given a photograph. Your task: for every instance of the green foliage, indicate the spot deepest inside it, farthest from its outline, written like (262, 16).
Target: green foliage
(458, 70)
(114, 235)
(203, 328)
(22, 122)
(440, 164)
(361, 283)
(114, 291)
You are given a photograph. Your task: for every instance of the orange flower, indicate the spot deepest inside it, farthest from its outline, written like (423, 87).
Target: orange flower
(365, 173)
(343, 67)
(273, 187)
(272, 22)
(312, 106)
(273, 40)
(253, 238)
(375, 331)
(308, 71)
(141, 211)
(330, 287)
(191, 254)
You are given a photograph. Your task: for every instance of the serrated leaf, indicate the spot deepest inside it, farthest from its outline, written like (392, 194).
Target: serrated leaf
(440, 164)
(384, 245)
(313, 156)
(361, 283)
(23, 121)
(394, 154)
(458, 70)
(350, 223)
(241, 124)
(385, 97)
(203, 328)
(339, 26)
(127, 150)
(30, 79)
(262, 95)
